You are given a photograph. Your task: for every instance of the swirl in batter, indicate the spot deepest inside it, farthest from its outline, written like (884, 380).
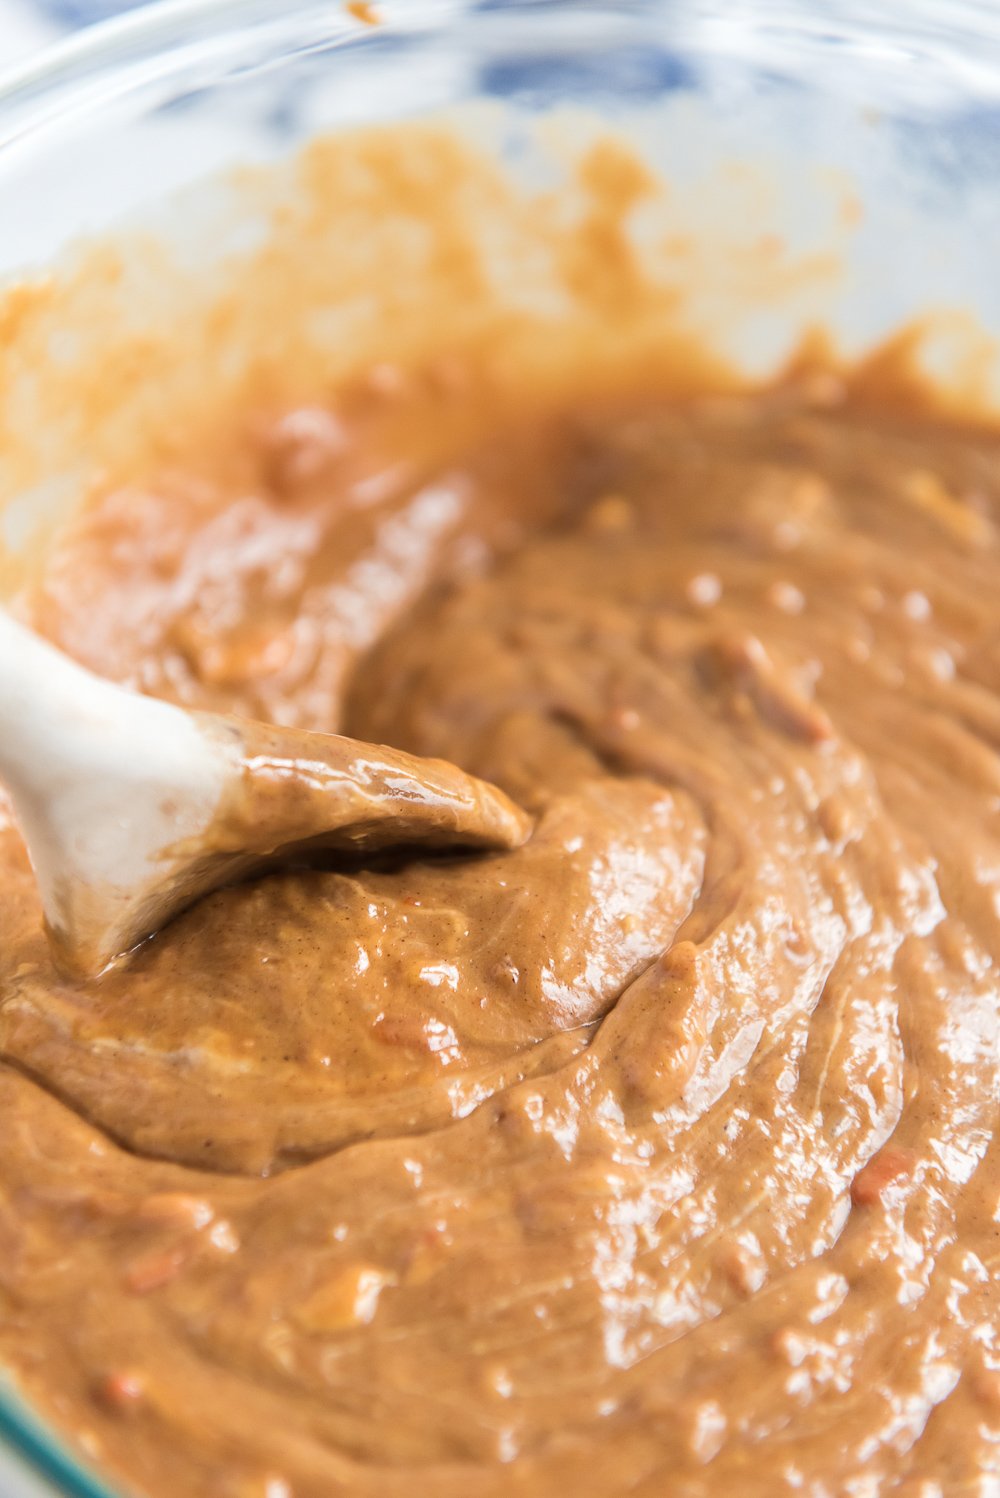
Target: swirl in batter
(658, 1156)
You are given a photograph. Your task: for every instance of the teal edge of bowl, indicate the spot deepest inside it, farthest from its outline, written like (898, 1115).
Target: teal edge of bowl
(24, 1433)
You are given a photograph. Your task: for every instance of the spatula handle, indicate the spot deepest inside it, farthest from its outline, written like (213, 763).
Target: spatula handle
(51, 710)
(101, 778)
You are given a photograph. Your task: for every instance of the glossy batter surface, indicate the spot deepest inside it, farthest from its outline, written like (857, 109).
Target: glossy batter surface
(658, 1156)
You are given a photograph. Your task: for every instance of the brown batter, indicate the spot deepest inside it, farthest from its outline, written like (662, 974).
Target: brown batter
(658, 1156)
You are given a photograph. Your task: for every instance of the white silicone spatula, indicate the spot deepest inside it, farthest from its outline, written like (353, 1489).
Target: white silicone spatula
(132, 808)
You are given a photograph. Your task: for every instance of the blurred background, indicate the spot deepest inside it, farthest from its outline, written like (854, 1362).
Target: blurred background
(28, 24)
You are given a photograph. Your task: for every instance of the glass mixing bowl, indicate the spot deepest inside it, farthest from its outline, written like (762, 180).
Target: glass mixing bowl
(861, 138)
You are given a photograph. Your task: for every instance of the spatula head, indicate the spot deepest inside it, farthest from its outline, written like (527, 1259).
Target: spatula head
(252, 797)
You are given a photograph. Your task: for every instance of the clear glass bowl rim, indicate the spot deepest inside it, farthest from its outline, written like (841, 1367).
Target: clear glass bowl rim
(154, 42)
